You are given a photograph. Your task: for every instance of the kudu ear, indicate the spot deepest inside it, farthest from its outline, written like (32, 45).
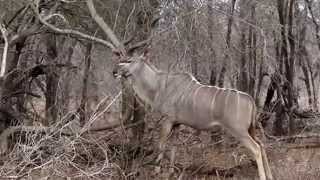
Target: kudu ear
(117, 56)
(116, 52)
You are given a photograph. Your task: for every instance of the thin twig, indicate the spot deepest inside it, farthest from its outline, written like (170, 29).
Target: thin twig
(95, 116)
(5, 50)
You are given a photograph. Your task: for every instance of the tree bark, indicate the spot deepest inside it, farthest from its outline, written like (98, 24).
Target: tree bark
(6, 105)
(315, 22)
(84, 97)
(212, 55)
(243, 75)
(303, 58)
(191, 33)
(287, 56)
(65, 94)
(228, 40)
(253, 53)
(52, 79)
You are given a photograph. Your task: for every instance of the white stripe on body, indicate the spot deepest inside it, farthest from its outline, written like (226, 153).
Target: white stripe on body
(186, 89)
(194, 98)
(212, 106)
(238, 106)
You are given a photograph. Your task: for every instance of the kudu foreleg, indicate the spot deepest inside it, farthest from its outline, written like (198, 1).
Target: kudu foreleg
(166, 128)
(165, 131)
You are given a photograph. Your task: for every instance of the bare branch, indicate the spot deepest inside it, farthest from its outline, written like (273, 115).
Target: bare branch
(5, 50)
(68, 1)
(20, 35)
(53, 15)
(69, 31)
(104, 26)
(146, 42)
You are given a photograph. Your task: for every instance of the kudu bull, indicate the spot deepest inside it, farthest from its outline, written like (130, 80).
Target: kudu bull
(186, 101)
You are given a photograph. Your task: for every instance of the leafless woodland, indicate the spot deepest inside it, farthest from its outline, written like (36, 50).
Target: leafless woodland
(64, 116)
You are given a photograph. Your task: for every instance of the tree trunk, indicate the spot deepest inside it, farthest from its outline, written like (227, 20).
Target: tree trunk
(290, 69)
(84, 97)
(303, 58)
(315, 22)
(287, 56)
(52, 79)
(252, 53)
(6, 105)
(228, 40)
(190, 32)
(212, 55)
(243, 75)
(23, 86)
(65, 94)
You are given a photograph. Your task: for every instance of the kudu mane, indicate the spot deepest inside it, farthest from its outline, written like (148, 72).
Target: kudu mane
(170, 86)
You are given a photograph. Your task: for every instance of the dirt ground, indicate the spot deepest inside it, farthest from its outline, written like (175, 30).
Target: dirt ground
(197, 157)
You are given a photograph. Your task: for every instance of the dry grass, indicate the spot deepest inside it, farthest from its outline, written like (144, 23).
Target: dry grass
(110, 155)
(53, 154)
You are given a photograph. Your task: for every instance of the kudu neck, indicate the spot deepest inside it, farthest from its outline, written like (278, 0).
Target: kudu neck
(145, 83)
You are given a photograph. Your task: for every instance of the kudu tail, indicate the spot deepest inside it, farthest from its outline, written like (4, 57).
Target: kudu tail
(252, 127)
(252, 133)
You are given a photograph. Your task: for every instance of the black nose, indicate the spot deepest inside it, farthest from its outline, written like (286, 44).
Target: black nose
(114, 73)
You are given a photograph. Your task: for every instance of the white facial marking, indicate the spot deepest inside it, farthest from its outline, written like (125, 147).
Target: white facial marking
(123, 64)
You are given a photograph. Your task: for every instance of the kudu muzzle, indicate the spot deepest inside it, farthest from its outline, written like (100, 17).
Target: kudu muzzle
(121, 70)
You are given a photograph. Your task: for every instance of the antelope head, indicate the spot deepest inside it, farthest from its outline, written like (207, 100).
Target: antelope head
(130, 66)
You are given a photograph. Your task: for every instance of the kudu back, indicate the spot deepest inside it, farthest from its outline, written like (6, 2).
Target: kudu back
(186, 101)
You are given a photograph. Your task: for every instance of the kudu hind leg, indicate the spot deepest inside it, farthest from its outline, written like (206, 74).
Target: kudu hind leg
(256, 150)
(265, 160)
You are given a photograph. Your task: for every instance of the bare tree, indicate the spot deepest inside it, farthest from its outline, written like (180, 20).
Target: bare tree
(228, 40)
(52, 79)
(212, 56)
(84, 97)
